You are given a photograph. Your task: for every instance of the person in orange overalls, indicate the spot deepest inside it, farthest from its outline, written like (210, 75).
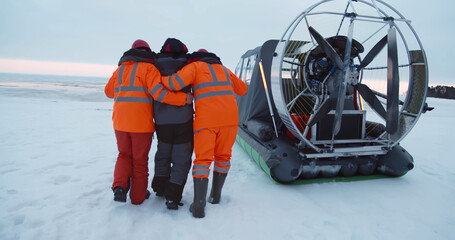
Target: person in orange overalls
(134, 85)
(215, 123)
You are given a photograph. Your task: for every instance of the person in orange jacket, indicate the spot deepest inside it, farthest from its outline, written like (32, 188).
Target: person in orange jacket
(215, 123)
(134, 85)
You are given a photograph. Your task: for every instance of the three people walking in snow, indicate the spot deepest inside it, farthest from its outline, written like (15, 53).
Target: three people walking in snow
(142, 93)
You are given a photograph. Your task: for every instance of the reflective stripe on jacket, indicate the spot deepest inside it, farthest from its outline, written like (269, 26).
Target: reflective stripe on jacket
(134, 85)
(213, 86)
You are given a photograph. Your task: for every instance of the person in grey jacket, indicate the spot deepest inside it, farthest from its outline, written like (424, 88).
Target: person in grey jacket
(174, 128)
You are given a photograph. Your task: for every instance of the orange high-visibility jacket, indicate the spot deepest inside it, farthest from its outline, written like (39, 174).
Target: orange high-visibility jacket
(134, 85)
(214, 86)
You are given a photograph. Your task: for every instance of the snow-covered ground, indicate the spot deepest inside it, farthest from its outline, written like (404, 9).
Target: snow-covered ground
(57, 156)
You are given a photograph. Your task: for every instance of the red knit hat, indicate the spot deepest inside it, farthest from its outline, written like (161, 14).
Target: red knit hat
(140, 44)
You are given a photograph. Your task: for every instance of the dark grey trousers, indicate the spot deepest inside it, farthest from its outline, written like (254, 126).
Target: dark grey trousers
(173, 160)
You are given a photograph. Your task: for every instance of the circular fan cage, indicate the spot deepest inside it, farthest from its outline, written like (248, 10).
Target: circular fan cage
(356, 77)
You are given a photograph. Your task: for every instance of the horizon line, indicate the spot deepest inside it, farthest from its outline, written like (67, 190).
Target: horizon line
(76, 69)
(22, 66)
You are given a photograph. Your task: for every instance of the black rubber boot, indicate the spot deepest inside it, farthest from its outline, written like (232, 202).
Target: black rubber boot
(119, 194)
(217, 184)
(200, 193)
(173, 193)
(159, 184)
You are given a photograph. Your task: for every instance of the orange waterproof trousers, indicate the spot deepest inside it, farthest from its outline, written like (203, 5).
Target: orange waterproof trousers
(132, 163)
(213, 144)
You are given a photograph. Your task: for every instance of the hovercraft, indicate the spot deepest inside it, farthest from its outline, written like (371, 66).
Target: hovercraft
(335, 95)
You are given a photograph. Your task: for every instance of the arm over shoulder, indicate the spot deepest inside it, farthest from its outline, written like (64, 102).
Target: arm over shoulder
(161, 94)
(184, 77)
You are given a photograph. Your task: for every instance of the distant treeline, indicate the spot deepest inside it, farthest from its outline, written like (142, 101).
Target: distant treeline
(441, 92)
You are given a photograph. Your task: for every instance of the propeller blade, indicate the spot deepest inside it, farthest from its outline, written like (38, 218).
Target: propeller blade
(339, 111)
(342, 88)
(384, 96)
(373, 53)
(328, 49)
(322, 111)
(370, 97)
(392, 83)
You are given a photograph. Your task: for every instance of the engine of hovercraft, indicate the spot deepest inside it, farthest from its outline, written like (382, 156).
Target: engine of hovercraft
(321, 73)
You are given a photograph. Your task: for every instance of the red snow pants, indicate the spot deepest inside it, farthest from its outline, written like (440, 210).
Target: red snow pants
(132, 163)
(213, 144)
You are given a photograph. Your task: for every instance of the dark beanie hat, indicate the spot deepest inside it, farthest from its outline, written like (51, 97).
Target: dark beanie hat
(172, 45)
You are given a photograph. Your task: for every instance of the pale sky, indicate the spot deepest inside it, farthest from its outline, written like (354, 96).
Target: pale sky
(48, 36)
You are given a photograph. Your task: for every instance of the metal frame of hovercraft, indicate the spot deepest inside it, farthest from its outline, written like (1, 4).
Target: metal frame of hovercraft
(323, 149)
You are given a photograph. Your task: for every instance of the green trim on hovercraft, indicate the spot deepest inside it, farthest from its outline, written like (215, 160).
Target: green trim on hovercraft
(253, 154)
